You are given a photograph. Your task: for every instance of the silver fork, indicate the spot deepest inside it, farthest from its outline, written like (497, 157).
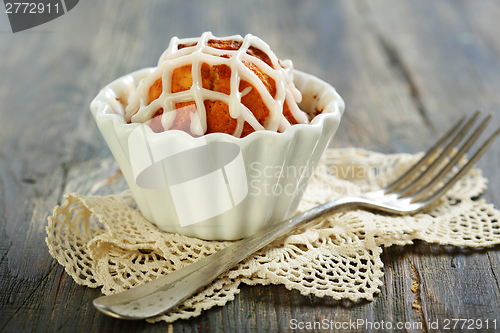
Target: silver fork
(409, 194)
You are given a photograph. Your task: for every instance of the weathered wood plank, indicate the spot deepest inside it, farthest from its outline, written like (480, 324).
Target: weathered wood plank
(45, 102)
(452, 70)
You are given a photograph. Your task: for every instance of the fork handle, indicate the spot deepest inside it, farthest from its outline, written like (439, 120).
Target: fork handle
(166, 292)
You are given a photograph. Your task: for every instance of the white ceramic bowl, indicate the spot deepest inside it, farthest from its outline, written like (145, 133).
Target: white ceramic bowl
(278, 166)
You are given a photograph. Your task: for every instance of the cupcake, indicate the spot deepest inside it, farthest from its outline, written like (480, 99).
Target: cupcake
(198, 79)
(221, 138)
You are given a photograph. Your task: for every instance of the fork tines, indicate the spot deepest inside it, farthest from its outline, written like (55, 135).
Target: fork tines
(434, 167)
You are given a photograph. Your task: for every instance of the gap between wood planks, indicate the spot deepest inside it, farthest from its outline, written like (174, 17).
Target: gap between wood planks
(396, 64)
(492, 270)
(65, 168)
(405, 74)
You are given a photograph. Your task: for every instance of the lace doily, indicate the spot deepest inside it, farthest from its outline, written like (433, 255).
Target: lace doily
(102, 241)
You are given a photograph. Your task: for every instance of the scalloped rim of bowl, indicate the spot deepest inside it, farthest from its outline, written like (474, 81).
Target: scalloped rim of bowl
(334, 105)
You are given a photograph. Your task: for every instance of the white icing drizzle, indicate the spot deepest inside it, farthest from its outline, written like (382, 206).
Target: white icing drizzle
(139, 111)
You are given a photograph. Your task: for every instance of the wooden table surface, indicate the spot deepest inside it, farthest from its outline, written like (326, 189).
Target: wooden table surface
(406, 69)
